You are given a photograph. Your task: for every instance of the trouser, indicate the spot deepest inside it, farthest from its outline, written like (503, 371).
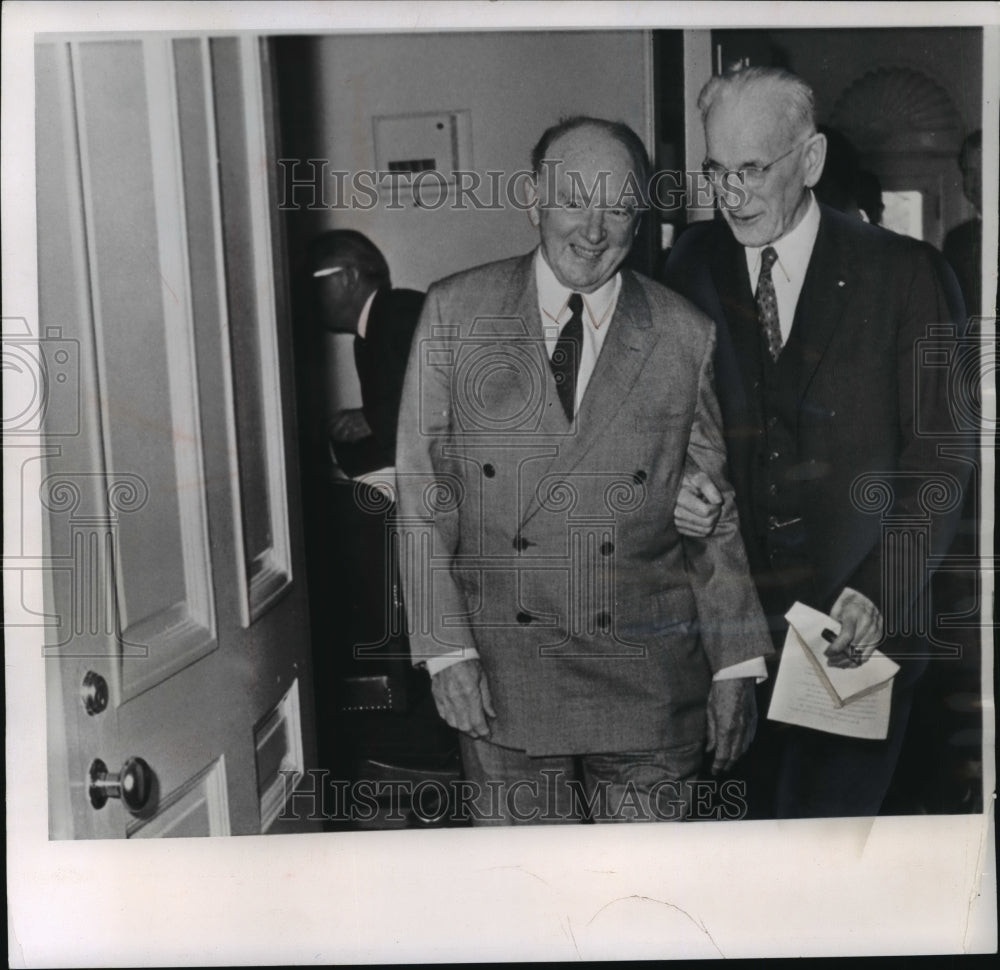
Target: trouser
(510, 787)
(796, 772)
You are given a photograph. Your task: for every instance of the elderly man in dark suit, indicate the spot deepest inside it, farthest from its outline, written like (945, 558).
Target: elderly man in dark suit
(826, 408)
(587, 653)
(354, 295)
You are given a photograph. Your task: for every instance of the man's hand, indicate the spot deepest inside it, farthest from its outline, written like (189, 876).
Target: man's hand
(349, 425)
(861, 629)
(699, 505)
(732, 721)
(463, 697)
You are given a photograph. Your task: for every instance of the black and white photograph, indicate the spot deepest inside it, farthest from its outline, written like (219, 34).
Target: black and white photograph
(499, 481)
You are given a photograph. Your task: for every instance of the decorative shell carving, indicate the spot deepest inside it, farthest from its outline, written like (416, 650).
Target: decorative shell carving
(889, 102)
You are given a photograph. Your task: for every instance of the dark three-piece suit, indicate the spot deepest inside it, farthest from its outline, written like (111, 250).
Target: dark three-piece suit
(845, 464)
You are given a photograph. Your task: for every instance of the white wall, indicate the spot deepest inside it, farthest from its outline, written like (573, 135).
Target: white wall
(514, 84)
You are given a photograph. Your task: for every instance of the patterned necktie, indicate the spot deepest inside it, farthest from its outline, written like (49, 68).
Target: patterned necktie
(767, 303)
(566, 357)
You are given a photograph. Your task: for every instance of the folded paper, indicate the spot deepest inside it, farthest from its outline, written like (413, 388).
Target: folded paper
(855, 702)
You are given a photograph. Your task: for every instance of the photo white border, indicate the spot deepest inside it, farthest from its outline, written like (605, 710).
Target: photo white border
(847, 887)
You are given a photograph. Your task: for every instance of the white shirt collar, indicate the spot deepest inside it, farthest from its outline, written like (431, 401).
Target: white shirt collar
(553, 297)
(365, 310)
(794, 248)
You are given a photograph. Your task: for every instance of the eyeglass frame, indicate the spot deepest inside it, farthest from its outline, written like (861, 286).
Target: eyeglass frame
(328, 271)
(754, 175)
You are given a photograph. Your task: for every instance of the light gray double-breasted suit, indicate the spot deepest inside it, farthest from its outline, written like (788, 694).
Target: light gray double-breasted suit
(549, 546)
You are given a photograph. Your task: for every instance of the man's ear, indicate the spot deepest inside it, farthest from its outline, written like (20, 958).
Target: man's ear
(531, 198)
(352, 276)
(813, 158)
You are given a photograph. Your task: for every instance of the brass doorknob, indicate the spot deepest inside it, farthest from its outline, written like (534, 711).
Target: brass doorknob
(132, 784)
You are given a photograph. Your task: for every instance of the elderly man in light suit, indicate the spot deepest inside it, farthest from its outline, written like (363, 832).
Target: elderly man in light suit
(588, 654)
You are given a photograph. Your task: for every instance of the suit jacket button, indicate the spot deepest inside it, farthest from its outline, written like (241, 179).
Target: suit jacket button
(772, 489)
(607, 548)
(524, 618)
(520, 543)
(640, 476)
(488, 470)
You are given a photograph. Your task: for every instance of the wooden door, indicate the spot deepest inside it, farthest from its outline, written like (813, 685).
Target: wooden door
(170, 492)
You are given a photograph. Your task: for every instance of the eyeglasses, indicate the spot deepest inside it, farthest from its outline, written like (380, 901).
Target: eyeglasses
(328, 271)
(752, 175)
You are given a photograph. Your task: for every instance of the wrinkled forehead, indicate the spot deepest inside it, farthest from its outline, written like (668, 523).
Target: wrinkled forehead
(588, 160)
(746, 124)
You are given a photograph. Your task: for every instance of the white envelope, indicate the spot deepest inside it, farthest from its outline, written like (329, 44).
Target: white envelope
(804, 694)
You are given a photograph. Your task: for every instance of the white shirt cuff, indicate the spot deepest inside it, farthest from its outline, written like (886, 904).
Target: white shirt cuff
(748, 668)
(436, 664)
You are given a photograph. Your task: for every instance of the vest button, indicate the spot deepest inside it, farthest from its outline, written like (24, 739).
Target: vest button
(772, 421)
(488, 470)
(524, 618)
(607, 548)
(772, 489)
(774, 456)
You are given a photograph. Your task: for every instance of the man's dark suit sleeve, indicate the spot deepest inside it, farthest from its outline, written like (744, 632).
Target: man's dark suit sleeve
(381, 369)
(391, 336)
(926, 402)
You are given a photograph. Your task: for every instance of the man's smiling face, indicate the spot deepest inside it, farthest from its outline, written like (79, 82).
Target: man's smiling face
(586, 234)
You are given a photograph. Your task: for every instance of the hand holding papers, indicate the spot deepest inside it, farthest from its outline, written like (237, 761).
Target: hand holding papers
(853, 701)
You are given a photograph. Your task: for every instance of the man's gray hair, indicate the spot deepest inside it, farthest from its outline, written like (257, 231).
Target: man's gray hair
(796, 97)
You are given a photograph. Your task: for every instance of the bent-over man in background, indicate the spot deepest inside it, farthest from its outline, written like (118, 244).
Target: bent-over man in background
(354, 295)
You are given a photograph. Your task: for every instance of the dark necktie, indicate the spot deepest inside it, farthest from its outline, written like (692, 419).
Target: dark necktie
(566, 357)
(767, 303)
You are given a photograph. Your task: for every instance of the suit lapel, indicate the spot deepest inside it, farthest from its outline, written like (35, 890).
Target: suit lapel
(523, 307)
(732, 284)
(821, 302)
(626, 349)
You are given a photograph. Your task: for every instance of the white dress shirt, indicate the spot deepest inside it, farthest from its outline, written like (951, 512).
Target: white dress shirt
(365, 311)
(794, 251)
(598, 309)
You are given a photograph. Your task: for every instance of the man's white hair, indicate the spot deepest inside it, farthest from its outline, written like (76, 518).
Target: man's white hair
(796, 98)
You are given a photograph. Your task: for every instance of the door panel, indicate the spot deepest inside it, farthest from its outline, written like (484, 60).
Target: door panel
(199, 808)
(242, 151)
(175, 557)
